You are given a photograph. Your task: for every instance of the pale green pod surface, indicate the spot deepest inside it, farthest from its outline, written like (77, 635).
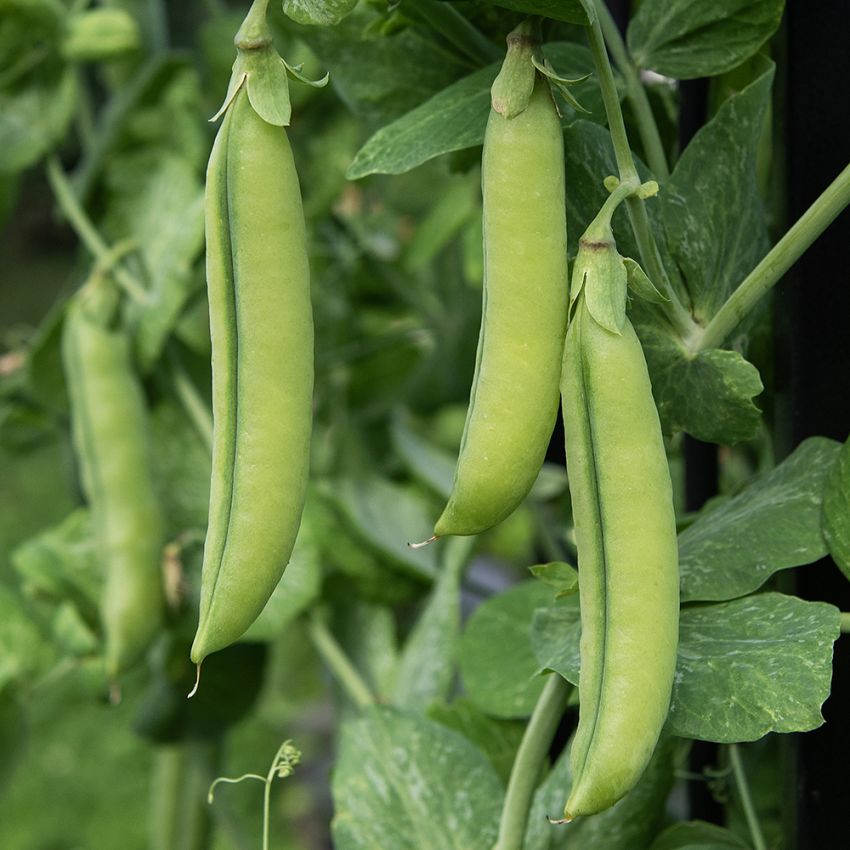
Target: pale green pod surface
(262, 338)
(109, 422)
(514, 397)
(628, 560)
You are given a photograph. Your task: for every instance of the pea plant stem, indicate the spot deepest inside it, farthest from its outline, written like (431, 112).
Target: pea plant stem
(88, 233)
(775, 264)
(745, 798)
(647, 127)
(650, 257)
(845, 622)
(338, 662)
(526, 768)
(191, 399)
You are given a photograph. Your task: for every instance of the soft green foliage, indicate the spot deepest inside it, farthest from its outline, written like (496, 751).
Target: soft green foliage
(690, 38)
(836, 510)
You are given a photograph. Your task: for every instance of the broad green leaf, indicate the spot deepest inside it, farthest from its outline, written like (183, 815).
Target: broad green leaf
(389, 516)
(318, 12)
(772, 524)
(13, 735)
(23, 651)
(456, 117)
(709, 396)
(745, 668)
(562, 576)
(159, 200)
(497, 738)
(405, 782)
(571, 11)
(497, 662)
(555, 634)
(752, 666)
(60, 565)
(296, 591)
(427, 664)
(836, 510)
(697, 835)
(181, 465)
(381, 78)
(431, 464)
(711, 209)
(692, 38)
(628, 825)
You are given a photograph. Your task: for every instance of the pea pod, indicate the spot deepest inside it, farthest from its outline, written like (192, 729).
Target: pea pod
(625, 532)
(514, 398)
(262, 339)
(109, 423)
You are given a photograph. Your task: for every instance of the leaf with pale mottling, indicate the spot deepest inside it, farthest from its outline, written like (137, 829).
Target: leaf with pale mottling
(405, 782)
(772, 524)
(836, 510)
(497, 661)
(692, 38)
(318, 12)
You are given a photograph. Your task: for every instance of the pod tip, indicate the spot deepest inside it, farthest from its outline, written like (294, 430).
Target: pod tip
(423, 543)
(197, 681)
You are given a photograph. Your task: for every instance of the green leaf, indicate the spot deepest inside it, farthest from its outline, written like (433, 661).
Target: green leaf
(772, 524)
(296, 591)
(408, 783)
(752, 666)
(159, 198)
(691, 38)
(712, 213)
(697, 835)
(450, 121)
(497, 662)
(456, 117)
(628, 825)
(23, 652)
(13, 735)
(563, 577)
(318, 12)
(427, 665)
(60, 564)
(710, 396)
(388, 517)
(498, 739)
(34, 118)
(836, 510)
(745, 668)
(432, 465)
(571, 11)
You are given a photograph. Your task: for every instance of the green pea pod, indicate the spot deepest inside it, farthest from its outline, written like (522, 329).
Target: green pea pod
(262, 339)
(514, 399)
(109, 422)
(626, 537)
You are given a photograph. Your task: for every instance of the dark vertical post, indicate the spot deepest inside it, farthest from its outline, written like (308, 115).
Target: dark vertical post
(815, 356)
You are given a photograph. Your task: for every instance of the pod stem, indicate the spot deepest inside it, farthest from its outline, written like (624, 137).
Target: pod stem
(525, 772)
(774, 264)
(254, 32)
(89, 235)
(636, 93)
(678, 316)
(340, 665)
(745, 798)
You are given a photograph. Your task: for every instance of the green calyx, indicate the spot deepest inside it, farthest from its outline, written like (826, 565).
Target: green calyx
(601, 273)
(262, 70)
(512, 88)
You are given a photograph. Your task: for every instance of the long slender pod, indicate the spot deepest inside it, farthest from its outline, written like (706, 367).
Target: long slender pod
(262, 336)
(111, 442)
(514, 398)
(625, 532)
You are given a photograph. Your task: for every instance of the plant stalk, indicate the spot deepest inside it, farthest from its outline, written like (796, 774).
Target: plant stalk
(526, 768)
(746, 799)
(191, 399)
(775, 264)
(636, 93)
(338, 662)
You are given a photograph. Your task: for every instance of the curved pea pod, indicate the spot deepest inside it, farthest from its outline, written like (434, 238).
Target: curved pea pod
(514, 398)
(262, 359)
(110, 433)
(626, 537)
